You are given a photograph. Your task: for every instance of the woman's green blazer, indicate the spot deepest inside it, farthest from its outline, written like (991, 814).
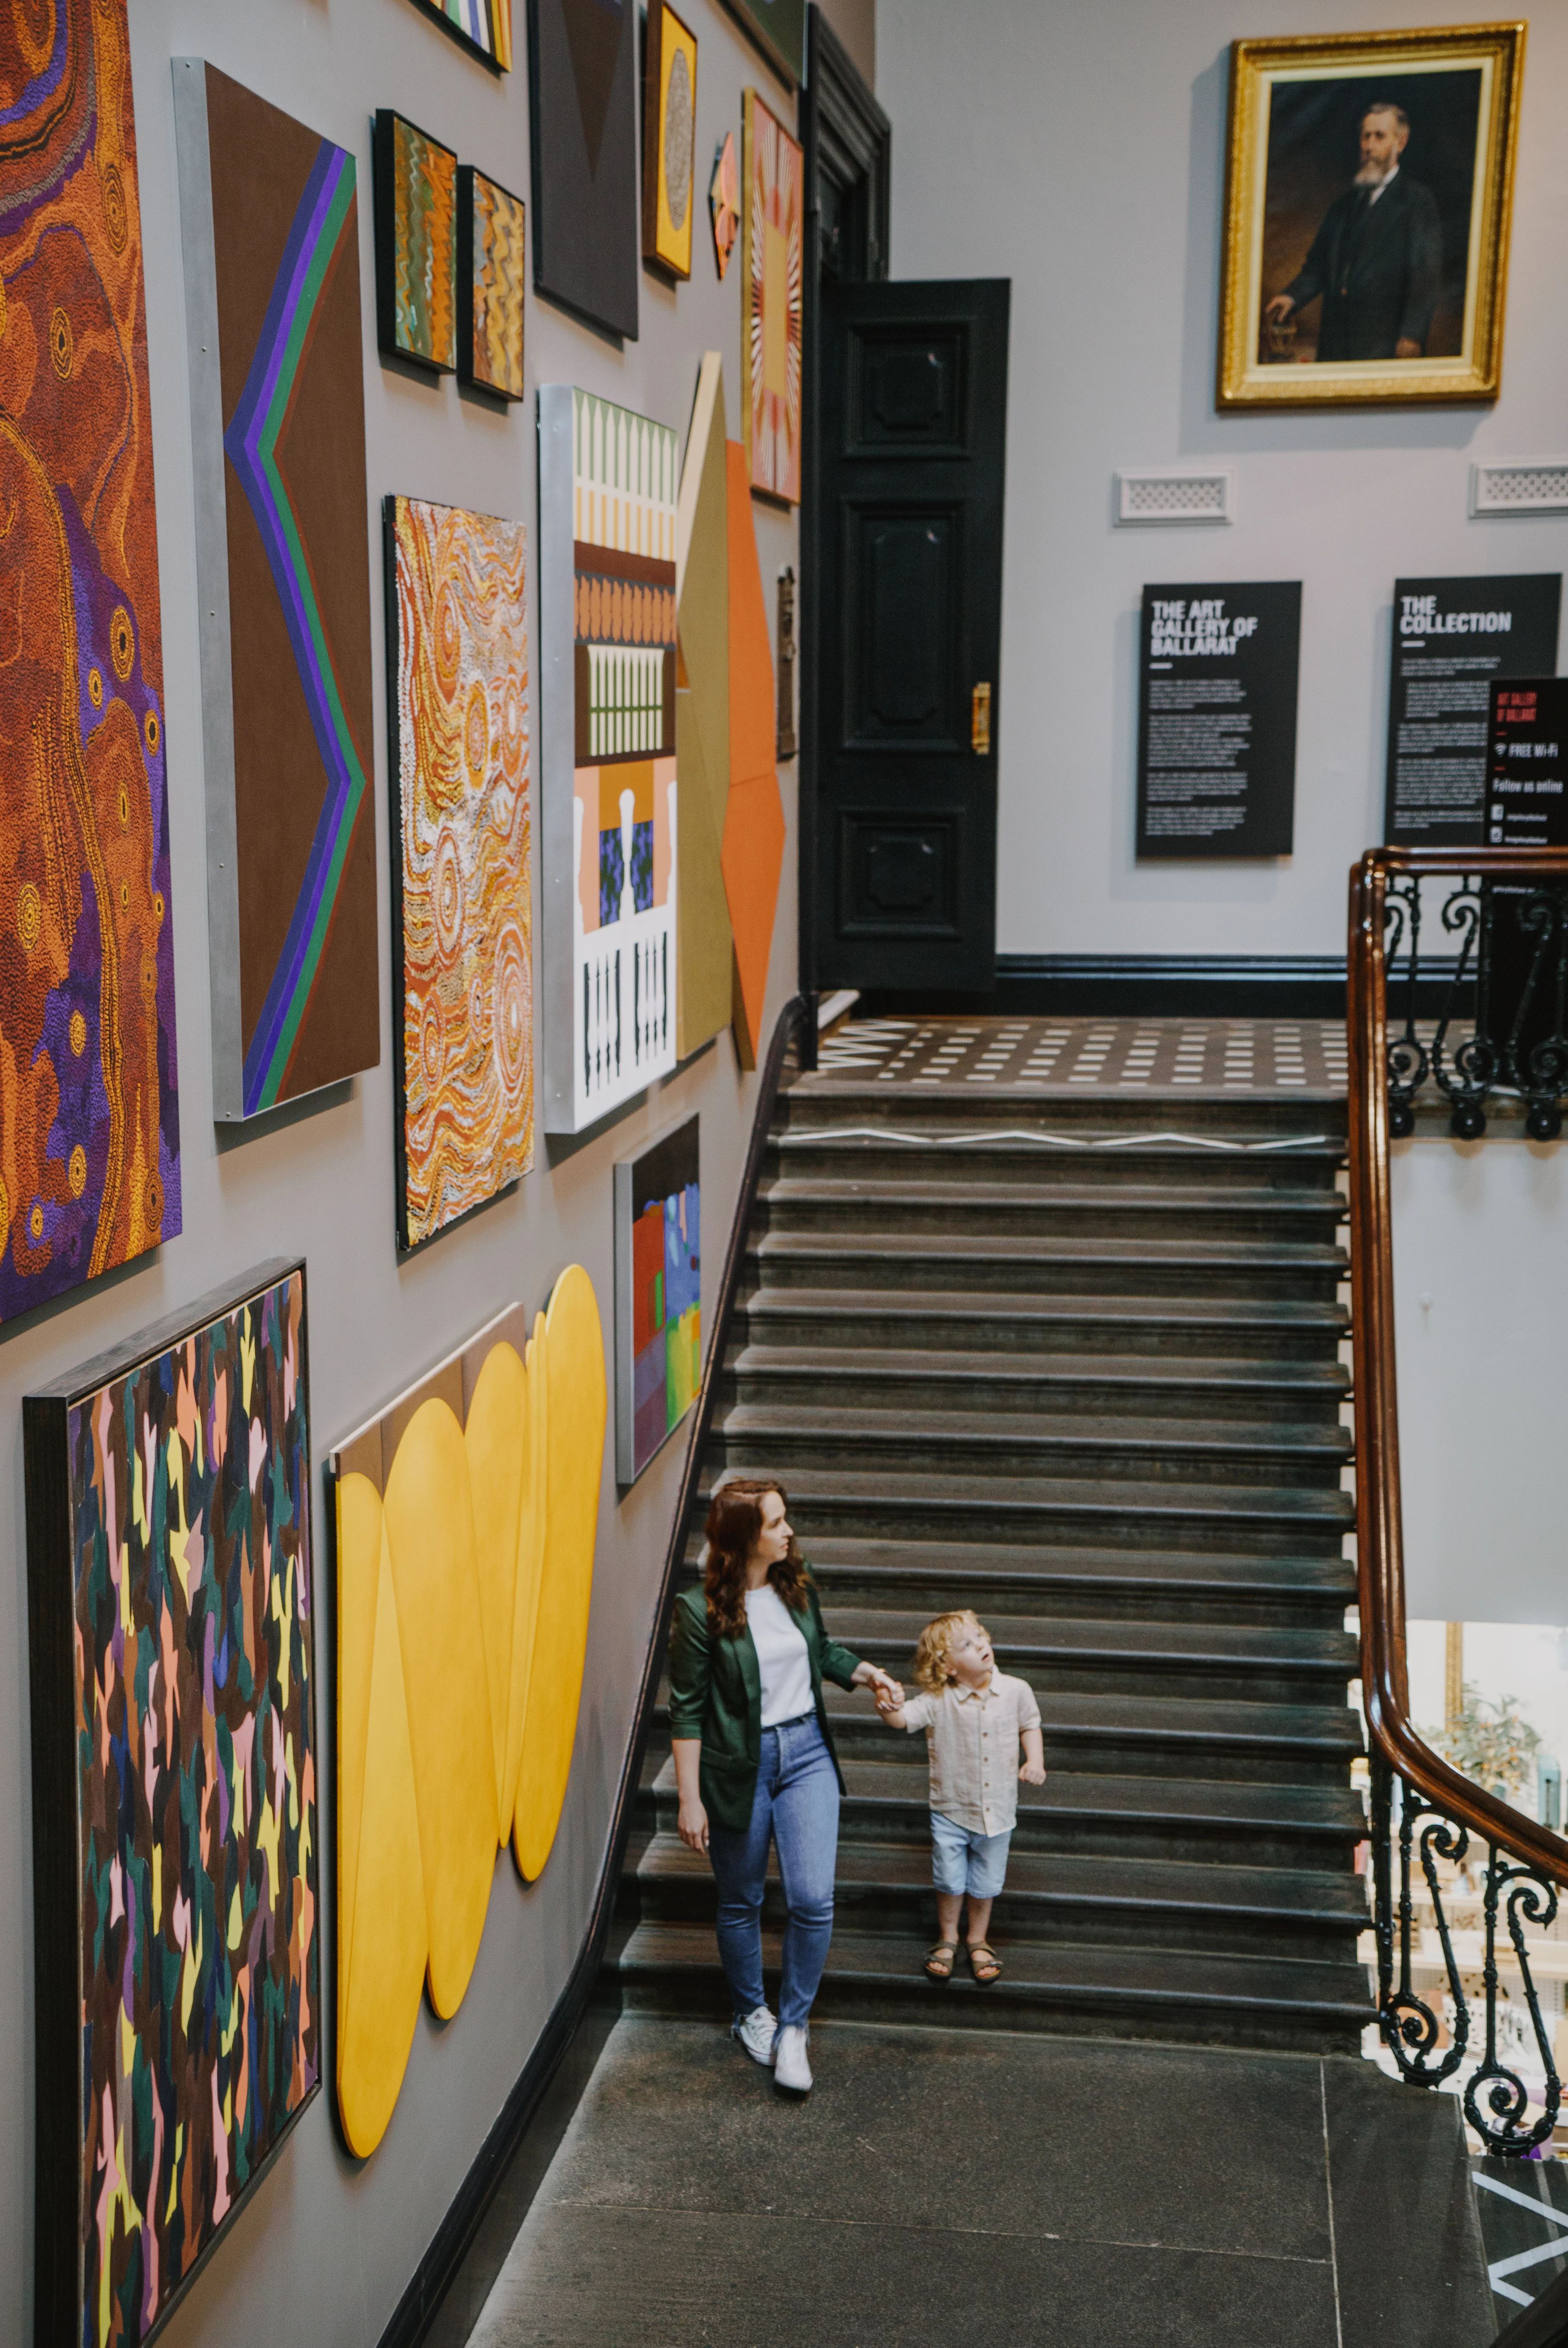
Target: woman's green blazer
(716, 1693)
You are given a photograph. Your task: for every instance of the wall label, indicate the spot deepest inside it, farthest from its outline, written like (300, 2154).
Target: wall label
(1452, 637)
(1216, 719)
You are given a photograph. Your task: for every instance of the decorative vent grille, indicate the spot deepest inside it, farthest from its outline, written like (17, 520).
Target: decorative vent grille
(1175, 497)
(1527, 485)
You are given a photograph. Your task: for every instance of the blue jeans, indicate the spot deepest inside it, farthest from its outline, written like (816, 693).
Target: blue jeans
(795, 1805)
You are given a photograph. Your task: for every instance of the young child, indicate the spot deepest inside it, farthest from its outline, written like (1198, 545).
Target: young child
(974, 1717)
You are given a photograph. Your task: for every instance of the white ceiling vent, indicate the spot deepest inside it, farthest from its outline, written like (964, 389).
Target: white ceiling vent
(1524, 485)
(1176, 497)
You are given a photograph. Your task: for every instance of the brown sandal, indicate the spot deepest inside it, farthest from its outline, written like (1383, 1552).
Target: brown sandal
(984, 1961)
(933, 1964)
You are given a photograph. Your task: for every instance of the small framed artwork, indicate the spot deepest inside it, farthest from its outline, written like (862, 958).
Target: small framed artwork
(658, 1296)
(778, 27)
(416, 245)
(482, 26)
(669, 148)
(724, 202)
(493, 246)
(171, 1632)
(1369, 190)
(773, 178)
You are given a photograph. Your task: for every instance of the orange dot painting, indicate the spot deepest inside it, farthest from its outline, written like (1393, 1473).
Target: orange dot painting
(461, 861)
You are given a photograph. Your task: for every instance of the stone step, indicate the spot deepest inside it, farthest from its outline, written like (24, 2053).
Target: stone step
(885, 1888)
(1228, 1518)
(1087, 1385)
(1258, 1270)
(1157, 1118)
(1144, 1452)
(1254, 2001)
(1132, 1816)
(978, 1155)
(1134, 1326)
(1180, 1216)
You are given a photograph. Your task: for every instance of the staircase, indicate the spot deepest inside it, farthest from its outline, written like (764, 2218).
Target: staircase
(1093, 1390)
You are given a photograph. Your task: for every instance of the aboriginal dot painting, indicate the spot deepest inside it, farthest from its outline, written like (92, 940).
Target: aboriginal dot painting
(460, 857)
(773, 184)
(171, 1603)
(89, 1132)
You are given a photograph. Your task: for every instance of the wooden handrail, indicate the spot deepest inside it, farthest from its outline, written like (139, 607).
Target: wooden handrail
(1385, 1681)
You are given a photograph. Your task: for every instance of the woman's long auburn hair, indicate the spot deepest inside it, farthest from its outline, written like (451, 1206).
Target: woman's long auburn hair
(733, 1529)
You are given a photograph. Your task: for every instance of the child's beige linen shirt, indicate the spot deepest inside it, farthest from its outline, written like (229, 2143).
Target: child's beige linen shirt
(972, 1736)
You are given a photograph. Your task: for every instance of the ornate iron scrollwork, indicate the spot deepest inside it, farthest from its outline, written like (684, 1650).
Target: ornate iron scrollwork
(1503, 1021)
(1496, 2100)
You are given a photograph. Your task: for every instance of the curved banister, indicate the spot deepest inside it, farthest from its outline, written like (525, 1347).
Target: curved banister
(1379, 1533)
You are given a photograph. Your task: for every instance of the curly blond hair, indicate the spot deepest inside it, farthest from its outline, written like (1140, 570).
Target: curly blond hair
(932, 1670)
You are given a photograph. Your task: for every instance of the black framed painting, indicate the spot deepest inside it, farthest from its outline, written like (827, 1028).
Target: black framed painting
(587, 204)
(778, 29)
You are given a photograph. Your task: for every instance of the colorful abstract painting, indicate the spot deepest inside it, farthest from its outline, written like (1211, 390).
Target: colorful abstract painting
(172, 1635)
(482, 26)
(416, 245)
(463, 925)
(89, 1128)
(773, 175)
(669, 146)
(491, 250)
(724, 202)
(272, 297)
(582, 147)
(659, 1296)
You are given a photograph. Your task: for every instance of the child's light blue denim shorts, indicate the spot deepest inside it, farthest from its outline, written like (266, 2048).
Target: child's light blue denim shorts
(962, 1861)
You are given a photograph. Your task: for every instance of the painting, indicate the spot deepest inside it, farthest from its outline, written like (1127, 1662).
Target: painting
(89, 1125)
(466, 1515)
(778, 27)
(1366, 218)
(752, 854)
(171, 1606)
(607, 494)
(491, 245)
(659, 1296)
(483, 27)
(669, 147)
(704, 943)
(457, 670)
(582, 89)
(724, 202)
(416, 245)
(773, 176)
(272, 298)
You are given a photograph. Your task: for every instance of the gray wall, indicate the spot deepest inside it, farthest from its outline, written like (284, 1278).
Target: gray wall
(326, 2245)
(1078, 147)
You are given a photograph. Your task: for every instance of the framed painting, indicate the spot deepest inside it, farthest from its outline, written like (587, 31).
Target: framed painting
(1368, 191)
(582, 94)
(483, 27)
(270, 223)
(416, 245)
(724, 202)
(658, 1296)
(172, 1609)
(491, 245)
(607, 535)
(777, 27)
(89, 1119)
(773, 180)
(457, 670)
(669, 144)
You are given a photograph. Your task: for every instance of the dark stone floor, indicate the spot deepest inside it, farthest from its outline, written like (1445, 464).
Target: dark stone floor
(958, 2186)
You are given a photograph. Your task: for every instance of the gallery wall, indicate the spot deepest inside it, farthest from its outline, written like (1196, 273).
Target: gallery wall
(326, 2244)
(1080, 148)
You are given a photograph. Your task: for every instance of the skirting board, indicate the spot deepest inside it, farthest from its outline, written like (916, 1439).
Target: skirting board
(1156, 986)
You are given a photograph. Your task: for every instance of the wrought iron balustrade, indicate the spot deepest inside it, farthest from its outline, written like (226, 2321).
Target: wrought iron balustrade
(1465, 1889)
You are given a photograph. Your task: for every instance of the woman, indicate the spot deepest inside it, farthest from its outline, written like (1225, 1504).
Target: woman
(754, 1758)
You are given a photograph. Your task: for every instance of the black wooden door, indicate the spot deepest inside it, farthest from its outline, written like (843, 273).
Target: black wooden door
(914, 409)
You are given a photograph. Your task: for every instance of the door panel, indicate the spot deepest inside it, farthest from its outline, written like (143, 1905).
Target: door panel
(913, 421)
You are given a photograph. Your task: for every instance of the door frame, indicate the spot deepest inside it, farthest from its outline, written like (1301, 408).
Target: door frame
(849, 150)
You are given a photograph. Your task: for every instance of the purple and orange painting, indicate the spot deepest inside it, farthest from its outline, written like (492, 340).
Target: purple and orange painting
(180, 1488)
(89, 1132)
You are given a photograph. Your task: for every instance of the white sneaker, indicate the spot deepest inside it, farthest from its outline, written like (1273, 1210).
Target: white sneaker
(756, 2034)
(790, 2068)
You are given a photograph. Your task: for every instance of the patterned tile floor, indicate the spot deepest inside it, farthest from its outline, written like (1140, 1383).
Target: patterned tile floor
(1213, 1056)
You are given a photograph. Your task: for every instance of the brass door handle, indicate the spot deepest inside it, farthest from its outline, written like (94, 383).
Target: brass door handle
(980, 721)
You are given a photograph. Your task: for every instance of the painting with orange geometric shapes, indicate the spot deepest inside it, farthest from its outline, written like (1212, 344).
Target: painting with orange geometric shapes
(751, 854)
(89, 1129)
(773, 183)
(461, 870)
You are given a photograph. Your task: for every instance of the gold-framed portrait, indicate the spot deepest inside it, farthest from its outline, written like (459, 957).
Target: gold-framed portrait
(1367, 193)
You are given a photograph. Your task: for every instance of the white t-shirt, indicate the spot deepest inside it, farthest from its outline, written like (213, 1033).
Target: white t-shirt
(781, 1656)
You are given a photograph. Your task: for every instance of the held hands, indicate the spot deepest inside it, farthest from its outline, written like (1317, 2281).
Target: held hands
(889, 1692)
